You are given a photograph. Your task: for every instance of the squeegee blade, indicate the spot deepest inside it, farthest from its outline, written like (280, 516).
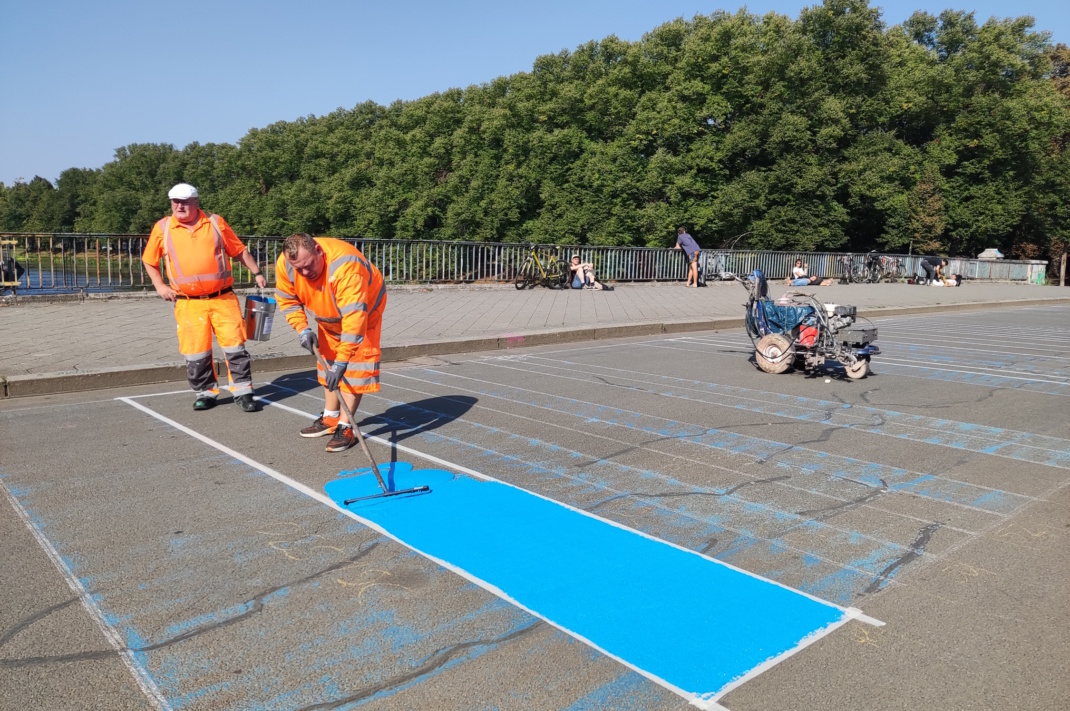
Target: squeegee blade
(383, 495)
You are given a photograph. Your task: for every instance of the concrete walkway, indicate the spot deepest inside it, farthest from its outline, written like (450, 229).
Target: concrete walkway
(68, 344)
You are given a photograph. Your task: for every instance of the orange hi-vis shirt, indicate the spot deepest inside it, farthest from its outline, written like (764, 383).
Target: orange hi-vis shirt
(340, 300)
(198, 259)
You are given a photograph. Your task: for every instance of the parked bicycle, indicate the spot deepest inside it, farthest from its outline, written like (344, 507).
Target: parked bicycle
(544, 268)
(892, 269)
(845, 261)
(713, 268)
(869, 271)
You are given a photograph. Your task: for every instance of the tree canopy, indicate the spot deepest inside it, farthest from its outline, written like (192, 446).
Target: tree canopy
(830, 131)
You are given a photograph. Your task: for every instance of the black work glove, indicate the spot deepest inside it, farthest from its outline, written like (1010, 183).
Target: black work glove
(309, 340)
(334, 374)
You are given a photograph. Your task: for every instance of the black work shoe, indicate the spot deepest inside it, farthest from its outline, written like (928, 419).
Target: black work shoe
(247, 403)
(320, 427)
(343, 439)
(204, 403)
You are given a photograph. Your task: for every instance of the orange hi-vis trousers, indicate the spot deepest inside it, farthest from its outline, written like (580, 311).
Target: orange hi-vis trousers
(362, 372)
(197, 320)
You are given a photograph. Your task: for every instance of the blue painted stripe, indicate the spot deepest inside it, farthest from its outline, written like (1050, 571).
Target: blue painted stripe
(691, 622)
(800, 460)
(1012, 444)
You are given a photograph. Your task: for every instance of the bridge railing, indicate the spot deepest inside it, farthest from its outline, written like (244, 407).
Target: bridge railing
(107, 262)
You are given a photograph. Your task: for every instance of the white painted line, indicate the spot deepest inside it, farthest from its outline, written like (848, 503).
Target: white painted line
(575, 368)
(996, 372)
(889, 334)
(588, 514)
(692, 460)
(493, 590)
(141, 676)
(187, 391)
(1012, 388)
(942, 345)
(633, 412)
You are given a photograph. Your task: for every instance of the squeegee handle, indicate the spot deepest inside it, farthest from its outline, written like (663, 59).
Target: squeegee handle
(353, 424)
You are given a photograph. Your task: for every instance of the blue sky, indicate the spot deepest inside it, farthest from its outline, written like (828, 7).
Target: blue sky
(79, 79)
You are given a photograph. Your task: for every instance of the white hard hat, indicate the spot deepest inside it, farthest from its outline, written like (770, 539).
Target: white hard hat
(182, 191)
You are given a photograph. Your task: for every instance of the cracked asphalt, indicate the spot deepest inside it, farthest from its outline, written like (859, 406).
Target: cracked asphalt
(934, 495)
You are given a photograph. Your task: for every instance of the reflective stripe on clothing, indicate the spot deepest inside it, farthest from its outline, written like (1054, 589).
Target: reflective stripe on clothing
(197, 321)
(350, 308)
(196, 258)
(174, 264)
(348, 295)
(361, 376)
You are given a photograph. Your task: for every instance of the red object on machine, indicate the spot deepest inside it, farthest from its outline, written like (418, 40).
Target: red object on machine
(807, 335)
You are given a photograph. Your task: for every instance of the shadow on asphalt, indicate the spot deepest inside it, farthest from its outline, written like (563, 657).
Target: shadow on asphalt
(409, 420)
(397, 423)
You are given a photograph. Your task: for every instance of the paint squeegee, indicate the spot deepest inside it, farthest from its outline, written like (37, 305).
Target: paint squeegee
(385, 490)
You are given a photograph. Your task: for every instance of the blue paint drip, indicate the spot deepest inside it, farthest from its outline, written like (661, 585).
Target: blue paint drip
(694, 623)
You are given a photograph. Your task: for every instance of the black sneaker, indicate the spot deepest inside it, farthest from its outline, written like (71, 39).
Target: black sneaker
(247, 403)
(204, 403)
(343, 439)
(322, 426)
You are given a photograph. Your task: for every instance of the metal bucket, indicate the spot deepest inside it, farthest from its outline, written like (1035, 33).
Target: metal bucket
(259, 313)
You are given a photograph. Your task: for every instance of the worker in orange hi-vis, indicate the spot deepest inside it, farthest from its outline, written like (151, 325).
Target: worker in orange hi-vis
(197, 249)
(346, 296)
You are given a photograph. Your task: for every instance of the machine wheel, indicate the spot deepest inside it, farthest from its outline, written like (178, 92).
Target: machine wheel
(770, 353)
(857, 371)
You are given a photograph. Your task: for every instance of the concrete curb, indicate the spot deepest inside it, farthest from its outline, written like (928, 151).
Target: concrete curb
(68, 382)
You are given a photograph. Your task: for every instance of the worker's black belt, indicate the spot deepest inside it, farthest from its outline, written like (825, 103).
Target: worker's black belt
(228, 290)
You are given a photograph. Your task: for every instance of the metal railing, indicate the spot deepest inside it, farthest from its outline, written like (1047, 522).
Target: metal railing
(106, 262)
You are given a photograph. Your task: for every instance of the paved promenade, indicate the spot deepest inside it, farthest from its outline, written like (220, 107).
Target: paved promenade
(52, 345)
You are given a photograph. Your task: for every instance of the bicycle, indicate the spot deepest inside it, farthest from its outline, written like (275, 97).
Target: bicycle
(713, 268)
(554, 274)
(892, 268)
(869, 270)
(844, 260)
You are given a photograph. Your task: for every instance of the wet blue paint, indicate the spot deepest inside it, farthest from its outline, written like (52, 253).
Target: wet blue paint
(684, 618)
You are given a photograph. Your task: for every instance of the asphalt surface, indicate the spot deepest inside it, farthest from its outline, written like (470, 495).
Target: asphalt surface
(156, 557)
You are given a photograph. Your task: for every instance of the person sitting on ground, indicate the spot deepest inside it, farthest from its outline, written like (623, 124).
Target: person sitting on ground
(583, 274)
(934, 269)
(799, 276)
